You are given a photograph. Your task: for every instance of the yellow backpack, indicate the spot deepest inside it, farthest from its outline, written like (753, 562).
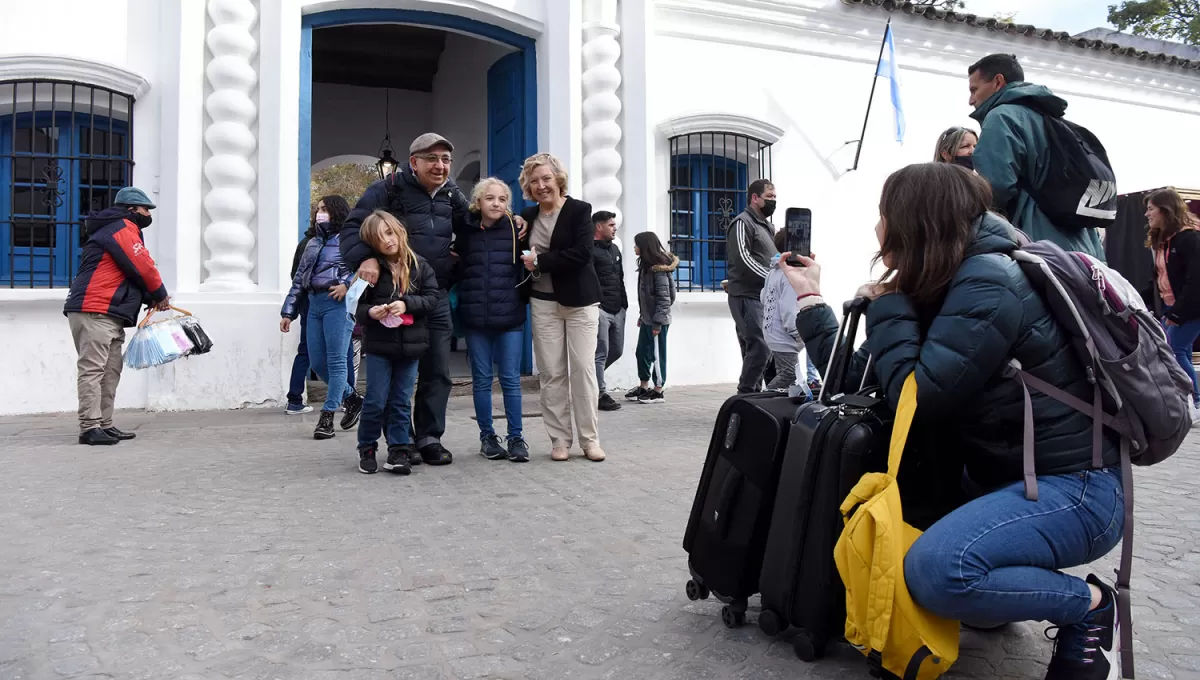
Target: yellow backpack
(900, 639)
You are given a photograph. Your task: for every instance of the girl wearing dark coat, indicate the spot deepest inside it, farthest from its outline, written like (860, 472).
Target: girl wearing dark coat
(656, 295)
(492, 307)
(953, 308)
(1175, 241)
(393, 314)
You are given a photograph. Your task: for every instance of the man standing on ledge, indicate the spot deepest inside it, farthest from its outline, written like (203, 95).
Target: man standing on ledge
(116, 275)
(749, 247)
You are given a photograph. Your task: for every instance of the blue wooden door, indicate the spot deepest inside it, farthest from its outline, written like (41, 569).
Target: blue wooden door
(507, 145)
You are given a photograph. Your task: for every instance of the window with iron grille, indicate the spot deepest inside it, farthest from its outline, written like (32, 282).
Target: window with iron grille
(65, 150)
(710, 173)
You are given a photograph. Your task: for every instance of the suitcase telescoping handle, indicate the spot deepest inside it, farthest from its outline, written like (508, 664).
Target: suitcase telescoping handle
(843, 351)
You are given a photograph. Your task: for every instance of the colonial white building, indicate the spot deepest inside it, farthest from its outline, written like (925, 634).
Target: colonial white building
(664, 110)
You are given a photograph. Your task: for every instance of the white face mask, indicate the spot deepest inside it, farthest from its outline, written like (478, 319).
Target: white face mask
(322, 218)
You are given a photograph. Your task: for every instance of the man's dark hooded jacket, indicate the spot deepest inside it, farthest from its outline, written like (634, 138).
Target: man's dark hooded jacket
(428, 217)
(116, 273)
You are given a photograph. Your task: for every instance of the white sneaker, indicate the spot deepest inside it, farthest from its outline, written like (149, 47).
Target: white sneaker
(1195, 415)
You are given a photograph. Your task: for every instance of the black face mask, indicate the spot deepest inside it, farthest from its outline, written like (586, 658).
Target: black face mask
(967, 162)
(141, 220)
(768, 208)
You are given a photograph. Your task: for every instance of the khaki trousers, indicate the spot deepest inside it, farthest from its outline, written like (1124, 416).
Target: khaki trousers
(98, 340)
(564, 346)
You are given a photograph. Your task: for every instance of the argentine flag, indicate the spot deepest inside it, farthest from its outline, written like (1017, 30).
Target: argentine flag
(888, 69)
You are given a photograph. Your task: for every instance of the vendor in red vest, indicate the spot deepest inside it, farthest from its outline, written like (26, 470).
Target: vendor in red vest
(116, 277)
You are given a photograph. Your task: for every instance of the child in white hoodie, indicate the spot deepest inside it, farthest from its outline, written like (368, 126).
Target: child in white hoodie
(779, 326)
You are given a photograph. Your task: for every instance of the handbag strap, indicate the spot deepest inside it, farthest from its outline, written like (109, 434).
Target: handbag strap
(902, 424)
(151, 312)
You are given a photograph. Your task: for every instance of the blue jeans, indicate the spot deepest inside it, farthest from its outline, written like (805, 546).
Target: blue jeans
(328, 344)
(1181, 339)
(301, 365)
(503, 349)
(997, 559)
(388, 400)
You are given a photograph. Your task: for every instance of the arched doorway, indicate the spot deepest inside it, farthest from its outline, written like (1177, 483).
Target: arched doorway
(356, 82)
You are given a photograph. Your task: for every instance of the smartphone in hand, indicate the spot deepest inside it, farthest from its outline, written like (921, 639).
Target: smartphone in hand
(798, 223)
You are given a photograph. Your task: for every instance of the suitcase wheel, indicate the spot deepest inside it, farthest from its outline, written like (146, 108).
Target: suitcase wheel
(731, 618)
(695, 591)
(770, 623)
(807, 648)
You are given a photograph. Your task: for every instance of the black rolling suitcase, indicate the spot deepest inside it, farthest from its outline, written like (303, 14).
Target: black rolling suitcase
(727, 530)
(833, 441)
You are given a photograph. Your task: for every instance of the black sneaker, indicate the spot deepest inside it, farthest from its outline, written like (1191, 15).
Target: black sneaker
(414, 457)
(518, 451)
(366, 460)
(607, 403)
(1088, 650)
(654, 396)
(635, 393)
(436, 454)
(97, 437)
(324, 426)
(397, 460)
(492, 449)
(353, 406)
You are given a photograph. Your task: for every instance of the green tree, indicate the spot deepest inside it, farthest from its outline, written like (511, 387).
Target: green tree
(348, 180)
(1177, 20)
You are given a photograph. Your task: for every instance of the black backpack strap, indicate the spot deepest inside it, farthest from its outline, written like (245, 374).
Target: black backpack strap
(1124, 610)
(1100, 420)
(914, 664)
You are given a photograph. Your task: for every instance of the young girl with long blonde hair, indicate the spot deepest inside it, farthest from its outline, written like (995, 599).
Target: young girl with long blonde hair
(395, 335)
(492, 307)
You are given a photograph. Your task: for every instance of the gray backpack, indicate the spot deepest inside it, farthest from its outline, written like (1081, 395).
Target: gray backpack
(1140, 391)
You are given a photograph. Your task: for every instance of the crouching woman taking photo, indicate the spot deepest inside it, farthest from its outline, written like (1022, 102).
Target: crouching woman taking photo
(954, 309)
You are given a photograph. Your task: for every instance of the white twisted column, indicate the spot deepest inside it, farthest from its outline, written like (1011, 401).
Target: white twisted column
(231, 141)
(601, 107)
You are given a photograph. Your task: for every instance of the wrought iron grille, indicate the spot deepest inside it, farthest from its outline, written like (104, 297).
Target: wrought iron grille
(710, 173)
(65, 150)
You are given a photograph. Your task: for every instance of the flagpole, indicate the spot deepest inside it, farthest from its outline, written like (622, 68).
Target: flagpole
(874, 80)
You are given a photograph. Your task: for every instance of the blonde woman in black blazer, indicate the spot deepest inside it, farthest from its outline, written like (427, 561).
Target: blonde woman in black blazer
(564, 304)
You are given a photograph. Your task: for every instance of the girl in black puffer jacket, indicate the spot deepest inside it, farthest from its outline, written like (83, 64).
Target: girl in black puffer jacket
(395, 336)
(954, 309)
(491, 305)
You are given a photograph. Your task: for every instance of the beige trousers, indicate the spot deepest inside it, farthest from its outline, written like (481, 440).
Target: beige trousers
(564, 346)
(98, 340)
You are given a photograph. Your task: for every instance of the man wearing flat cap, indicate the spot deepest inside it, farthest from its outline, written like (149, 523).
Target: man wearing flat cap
(116, 277)
(429, 204)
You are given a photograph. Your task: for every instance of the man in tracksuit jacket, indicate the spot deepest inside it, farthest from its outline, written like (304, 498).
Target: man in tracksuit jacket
(749, 248)
(116, 277)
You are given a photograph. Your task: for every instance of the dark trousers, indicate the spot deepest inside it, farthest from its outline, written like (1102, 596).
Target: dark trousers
(747, 321)
(433, 379)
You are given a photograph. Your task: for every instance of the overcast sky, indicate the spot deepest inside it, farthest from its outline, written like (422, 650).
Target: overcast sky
(1072, 16)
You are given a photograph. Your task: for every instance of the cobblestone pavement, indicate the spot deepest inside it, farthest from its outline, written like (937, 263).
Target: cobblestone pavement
(232, 545)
